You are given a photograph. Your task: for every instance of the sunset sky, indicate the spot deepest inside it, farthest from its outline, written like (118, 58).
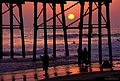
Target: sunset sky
(28, 13)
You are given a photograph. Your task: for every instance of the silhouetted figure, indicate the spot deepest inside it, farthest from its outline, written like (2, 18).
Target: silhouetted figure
(35, 76)
(106, 64)
(13, 78)
(79, 56)
(85, 56)
(45, 59)
(55, 73)
(2, 79)
(24, 77)
(73, 42)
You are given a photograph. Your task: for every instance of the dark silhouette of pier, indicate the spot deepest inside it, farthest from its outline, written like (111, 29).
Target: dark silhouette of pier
(90, 27)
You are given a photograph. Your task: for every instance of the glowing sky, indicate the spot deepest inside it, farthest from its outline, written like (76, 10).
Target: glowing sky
(29, 15)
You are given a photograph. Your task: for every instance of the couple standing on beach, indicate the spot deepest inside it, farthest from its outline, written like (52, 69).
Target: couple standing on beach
(83, 56)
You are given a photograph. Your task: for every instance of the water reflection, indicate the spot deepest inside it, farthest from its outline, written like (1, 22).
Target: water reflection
(84, 69)
(46, 76)
(90, 68)
(55, 71)
(67, 70)
(38, 74)
(2, 79)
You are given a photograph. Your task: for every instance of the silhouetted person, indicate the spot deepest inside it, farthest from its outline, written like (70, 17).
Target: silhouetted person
(35, 76)
(80, 56)
(106, 64)
(85, 56)
(55, 73)
(13, 78)
(79, 60)
(45, 59)
(2, 79)
(24, 77)
(73, 42)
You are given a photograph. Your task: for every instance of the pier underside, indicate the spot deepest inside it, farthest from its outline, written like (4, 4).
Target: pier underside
(80, 27)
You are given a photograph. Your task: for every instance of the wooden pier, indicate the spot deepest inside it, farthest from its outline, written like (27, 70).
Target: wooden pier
(19, 3)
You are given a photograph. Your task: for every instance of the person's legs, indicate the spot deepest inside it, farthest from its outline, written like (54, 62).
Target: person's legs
(46, 71)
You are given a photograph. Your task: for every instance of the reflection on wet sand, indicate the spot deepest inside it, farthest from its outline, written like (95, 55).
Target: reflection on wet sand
(38, 74)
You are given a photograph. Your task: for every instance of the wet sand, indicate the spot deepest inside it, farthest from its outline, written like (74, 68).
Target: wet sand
(8, 65)
(61, 70)
(102, 75)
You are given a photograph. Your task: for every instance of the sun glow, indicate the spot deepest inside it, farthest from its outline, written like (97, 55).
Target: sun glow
(71, 16)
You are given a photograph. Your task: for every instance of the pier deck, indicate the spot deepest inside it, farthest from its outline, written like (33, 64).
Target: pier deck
(50, 1)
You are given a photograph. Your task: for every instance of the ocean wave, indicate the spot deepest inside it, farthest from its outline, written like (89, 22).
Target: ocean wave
(59, 36)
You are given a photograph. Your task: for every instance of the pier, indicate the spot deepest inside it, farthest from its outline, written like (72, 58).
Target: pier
(45, 27)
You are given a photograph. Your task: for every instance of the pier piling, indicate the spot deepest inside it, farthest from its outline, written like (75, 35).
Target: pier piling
(65, 30)
(1, 38)
(54, 25)
(11, 30)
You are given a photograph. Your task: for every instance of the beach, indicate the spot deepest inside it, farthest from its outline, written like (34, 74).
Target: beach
(7, 65)
(102, 75)
(66, 70)
(41, 34)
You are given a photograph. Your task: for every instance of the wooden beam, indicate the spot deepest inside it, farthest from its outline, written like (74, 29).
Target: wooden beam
(35, 32)
(1, 39)
(45, 28)
(90, 32)
(54, 30)
(99, 30)
(109, 33)
(64, 29)
(11, 30)
(80, 33)
(22, 29)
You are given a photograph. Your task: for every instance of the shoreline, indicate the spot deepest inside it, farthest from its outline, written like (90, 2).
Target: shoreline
(101, 75)
(64, 69)
(8, 65)
(16, 64)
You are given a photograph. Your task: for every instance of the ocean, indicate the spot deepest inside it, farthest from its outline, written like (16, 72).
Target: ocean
(72, 35)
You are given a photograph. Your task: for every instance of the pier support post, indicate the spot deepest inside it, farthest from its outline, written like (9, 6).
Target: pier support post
(99, 30)
(54, 30)
(45, 28)
(1, 51)
(35, 31)
(65, 30)
(80, 33)
(11, 30)
(90, 31)
(108, 30)
(22, 29)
